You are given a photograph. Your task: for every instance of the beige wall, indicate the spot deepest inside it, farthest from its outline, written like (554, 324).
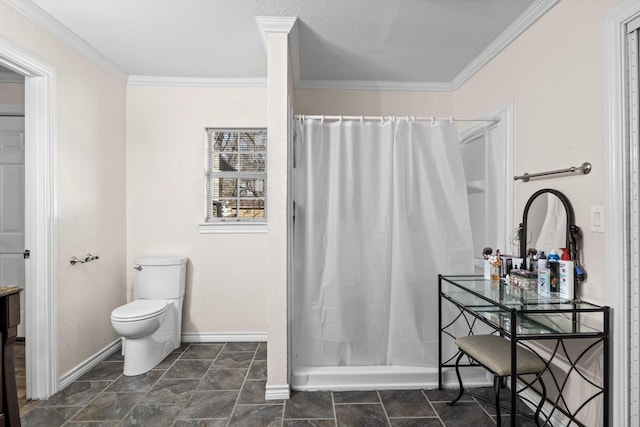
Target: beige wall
(226, 285)
(361, 102)
(554, 75)
(12, 93)
(90, 188)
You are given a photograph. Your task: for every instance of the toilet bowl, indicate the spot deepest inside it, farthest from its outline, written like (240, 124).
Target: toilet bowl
(138, 318)
(151, 325)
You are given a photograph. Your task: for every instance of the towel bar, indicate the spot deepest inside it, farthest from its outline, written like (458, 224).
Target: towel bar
(585, 168)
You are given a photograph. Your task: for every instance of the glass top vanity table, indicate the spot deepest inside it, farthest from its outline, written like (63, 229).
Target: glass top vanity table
(571, 336)
(527, 319)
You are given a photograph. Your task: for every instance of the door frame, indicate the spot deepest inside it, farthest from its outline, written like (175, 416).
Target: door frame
(503, 156)
(16, 110)
(619, 165)
(40, 112)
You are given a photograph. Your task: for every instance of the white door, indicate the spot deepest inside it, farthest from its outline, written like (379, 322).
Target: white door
(12, 205)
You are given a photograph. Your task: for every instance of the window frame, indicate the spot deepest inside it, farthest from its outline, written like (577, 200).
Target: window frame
(211, 224)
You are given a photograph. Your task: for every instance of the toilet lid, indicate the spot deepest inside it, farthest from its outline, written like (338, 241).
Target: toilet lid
(139, 309)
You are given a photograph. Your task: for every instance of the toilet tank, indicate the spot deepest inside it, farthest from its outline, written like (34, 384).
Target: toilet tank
(161, 277)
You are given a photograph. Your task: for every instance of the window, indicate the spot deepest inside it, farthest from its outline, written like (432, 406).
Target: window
(236, 176)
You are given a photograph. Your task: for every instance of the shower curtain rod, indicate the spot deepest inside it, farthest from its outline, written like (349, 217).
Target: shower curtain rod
(431, 119)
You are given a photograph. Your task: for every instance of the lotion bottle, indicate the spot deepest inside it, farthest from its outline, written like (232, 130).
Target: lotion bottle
(542, 261)
(565, 279)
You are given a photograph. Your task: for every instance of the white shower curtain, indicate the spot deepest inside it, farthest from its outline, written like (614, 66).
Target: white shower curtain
(380, 210)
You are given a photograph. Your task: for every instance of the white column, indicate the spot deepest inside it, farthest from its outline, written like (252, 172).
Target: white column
(279, 86)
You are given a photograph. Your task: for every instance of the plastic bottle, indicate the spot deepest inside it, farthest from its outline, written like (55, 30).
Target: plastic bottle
(552, 262)
(542, 261)
(543, 282)
(565, 279)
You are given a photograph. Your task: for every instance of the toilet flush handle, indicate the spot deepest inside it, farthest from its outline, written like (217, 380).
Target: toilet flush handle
(138, 267)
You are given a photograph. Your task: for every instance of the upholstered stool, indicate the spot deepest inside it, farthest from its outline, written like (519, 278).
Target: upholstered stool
(494, 353)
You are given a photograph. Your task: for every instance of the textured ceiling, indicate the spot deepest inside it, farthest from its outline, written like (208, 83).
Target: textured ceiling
(339, 40)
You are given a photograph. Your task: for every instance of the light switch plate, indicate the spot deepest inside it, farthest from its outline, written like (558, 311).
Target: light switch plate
(597, 219)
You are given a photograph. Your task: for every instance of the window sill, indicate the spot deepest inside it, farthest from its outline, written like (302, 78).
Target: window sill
(232, 227)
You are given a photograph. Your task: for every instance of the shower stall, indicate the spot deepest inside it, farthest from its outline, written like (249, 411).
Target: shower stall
(380, 208)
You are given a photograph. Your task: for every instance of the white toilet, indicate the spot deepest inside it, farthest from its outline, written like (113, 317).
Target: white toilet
(151, 325)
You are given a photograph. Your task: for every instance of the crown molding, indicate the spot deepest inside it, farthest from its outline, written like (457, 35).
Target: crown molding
(374, 85)
(137, 80)
(283, 24)
(524, 21)
(54, 27)
(275, 24)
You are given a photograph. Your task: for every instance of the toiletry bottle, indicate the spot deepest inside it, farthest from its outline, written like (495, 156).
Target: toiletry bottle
(542, 261)
(565, 254)
(543, 282)
(552, 262)
(486, 253)
(531, 259)
(565, 279)
(487, 269)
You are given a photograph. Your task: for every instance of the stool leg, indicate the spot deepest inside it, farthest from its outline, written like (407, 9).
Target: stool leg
(496, 387)
(459, 381)
(542, 400)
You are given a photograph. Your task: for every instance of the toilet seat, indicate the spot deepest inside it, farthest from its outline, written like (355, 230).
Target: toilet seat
(139, 310)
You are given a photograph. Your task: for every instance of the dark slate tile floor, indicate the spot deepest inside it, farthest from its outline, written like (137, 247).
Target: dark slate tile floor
(222, 384)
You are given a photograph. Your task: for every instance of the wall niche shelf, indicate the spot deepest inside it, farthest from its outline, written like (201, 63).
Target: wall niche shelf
(475, 187)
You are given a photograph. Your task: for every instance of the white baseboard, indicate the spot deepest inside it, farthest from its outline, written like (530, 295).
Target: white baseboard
(472, 377)
(88, 364)
(277, 392)
(224, 337)
(557, 419)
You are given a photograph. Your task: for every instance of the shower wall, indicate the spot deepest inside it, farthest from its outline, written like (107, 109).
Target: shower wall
(374, 103)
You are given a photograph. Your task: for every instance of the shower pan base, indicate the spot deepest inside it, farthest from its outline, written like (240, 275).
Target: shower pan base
(351, 378)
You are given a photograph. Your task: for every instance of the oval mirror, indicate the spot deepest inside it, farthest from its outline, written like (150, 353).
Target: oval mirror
(547, 223)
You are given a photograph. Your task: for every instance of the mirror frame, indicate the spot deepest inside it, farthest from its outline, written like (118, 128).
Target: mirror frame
(570, 222)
